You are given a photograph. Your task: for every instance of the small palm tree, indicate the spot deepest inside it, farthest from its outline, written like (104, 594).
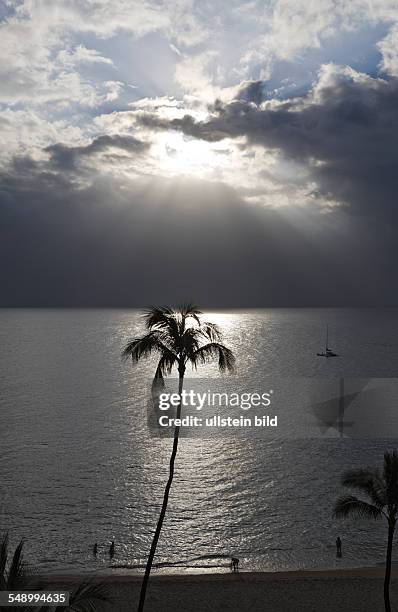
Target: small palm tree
(14, 572)
(381, 490)
(17, 575)
(179, 337)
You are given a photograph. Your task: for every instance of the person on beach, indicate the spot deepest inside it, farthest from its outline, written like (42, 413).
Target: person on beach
(112, 549)
(234, 564)
(338, 547)
(95, 549)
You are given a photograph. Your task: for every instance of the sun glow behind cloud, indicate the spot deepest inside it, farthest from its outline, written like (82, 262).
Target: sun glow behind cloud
(75, 74)
(181, 156)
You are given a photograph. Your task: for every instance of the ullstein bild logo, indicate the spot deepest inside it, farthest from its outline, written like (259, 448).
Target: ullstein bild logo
(219, 421)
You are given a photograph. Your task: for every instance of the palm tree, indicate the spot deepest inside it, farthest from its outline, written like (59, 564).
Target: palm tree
(17, 575)
(179, 337)
(14, 573)
(381, 489)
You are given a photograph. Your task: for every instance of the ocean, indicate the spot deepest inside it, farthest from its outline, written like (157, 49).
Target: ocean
(79, 464)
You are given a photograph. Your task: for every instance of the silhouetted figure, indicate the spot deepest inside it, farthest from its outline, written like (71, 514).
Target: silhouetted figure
(95, 549)
(234, 564)
(338, 547)
(112, 549)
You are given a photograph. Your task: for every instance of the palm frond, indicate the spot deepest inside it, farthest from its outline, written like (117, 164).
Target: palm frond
(190, 311)
(87, 595)
(158, 316)
(164, 368)
(189, 341)
(144, 346)
(3, 561)
(166, 319)
(350, 505)
(368, 481)
(211, 331)
(214, 350)
(17, 571)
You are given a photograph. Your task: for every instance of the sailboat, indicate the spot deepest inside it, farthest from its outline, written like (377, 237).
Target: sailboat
(328, 352)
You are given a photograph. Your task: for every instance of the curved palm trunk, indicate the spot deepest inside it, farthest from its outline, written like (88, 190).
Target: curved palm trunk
(391, 528)
(156, 536)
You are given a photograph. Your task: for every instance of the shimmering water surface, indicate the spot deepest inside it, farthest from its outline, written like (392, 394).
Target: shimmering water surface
(78, 465)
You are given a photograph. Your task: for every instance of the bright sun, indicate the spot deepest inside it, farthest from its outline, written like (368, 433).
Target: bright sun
(179, 155)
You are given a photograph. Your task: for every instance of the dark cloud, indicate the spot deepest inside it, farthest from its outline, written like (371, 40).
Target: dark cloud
(131, 243)
(251, 91)
(65, 157)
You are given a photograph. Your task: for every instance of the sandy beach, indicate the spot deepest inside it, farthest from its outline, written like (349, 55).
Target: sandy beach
(359, 590)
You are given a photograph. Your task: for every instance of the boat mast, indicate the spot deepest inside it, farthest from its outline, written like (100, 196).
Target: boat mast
(327, 338)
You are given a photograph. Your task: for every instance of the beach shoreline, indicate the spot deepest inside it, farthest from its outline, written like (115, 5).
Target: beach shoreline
(344, 590)
(124, 574)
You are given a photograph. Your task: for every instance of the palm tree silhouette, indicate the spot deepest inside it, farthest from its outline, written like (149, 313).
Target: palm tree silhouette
(381, 489)
(180, 337)
(17, 575)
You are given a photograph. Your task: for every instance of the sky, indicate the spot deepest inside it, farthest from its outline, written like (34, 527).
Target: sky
(235, 155)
